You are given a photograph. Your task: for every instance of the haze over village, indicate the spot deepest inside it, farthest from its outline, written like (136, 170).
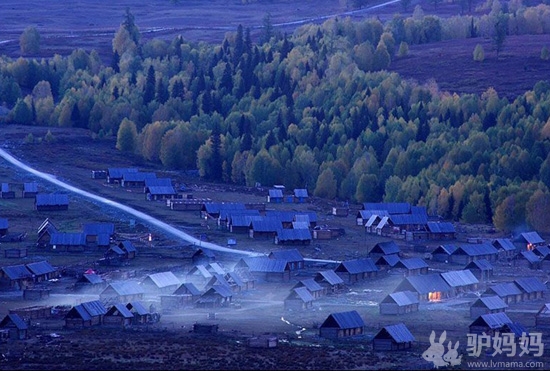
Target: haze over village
(274, 185)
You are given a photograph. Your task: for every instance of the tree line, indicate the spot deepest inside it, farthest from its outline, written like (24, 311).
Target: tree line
(316, 109)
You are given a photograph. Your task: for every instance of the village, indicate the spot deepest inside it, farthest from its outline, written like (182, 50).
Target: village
(415, 275)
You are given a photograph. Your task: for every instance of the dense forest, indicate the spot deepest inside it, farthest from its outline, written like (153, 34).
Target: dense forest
(316, 109)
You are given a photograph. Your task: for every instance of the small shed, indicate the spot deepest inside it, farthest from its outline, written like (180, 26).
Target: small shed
(330, 281)
(300, 195)
(412, 266)
(91, 283)
(141, 314)
(294, 258)
(487, 304)
(6, 192)
(263, 341)
(313, 287)
(275, 196)
(489, 323)
(215, 297)
(527, 259)
(128, 248)
(51, 202)
(16, 326)
(85, 314)
(393, 337)
(287, 236)
(461, 281)
(188, 288)
(528, 241)
(122, 292)
(507, 291)
(42, 271)
(160, 283)
(300, 298)
(531, 287)
(482, 269)
(429, 287)
(443, 253)
(30, 189)
(355, 270)
(118, 316)
(505, 247)
(264, 268)
(400, 302)
(341, 325)
(384, 248)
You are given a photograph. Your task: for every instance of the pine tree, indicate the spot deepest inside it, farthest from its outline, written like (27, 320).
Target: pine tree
(150, 85)
(216, 159)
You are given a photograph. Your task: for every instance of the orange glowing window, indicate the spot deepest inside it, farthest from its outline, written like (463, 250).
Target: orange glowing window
(434, 296)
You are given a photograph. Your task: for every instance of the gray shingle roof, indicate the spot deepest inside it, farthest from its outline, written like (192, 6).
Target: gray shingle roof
(275, 193)
(42, 267)
(164, 279)
(310, 284)
(121, 309)
(357, 266)
(17, 272)
(344, 320)
(530, 284)
(505, 244)
(300, 192)
(441, 227)
(215, 268)
(401, 298)
(329, 276)
(445, 249)
(426, 283)
(530, 256)
(460, 278)
(94, 308)
(505, 289)
(398, 332)
(159, 182)
(137, 307)
(302, 234)
(162, 190)
(492, 320)
(411, 263)
(409, 219)
(265, 264)
(123, 288)
(92, 278)
(391, 207)
(290, 255)
(532, 237)
(31, 187)
(54, 199)
(16, 320)
(201, 270)
(490, 302)
(117, 173)
(217, 207)
(69, 239)
(266, 224)
(386, 248)
(390, 260)
(301, 293)
(128, 246)
(222, 290)
(482, 264)
(188, 287)
(476, 249)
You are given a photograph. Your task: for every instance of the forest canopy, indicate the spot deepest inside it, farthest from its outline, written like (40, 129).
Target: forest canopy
(316, 109)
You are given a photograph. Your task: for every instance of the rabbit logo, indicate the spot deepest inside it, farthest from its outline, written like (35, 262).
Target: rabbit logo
(436, 351)
(452, 355)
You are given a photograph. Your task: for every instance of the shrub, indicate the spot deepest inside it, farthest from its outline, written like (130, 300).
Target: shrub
(403, 49)
(479, 54)
(545, 53)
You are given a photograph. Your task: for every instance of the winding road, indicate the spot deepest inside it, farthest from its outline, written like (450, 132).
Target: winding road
(148, 219)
